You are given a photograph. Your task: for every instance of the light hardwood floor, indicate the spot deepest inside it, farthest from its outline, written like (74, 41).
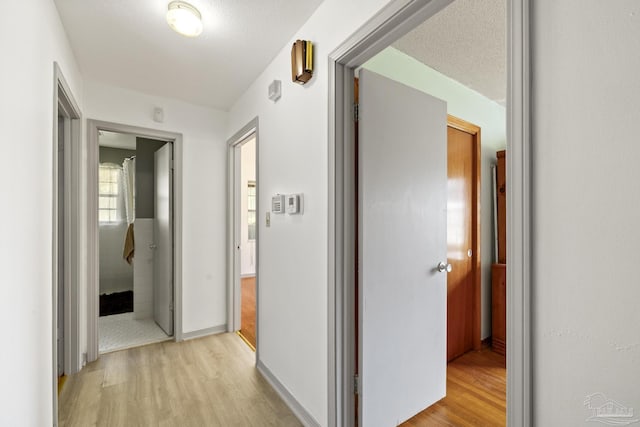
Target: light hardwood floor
(209, 381)
(476, 393)
(212, 381)
(248, 310)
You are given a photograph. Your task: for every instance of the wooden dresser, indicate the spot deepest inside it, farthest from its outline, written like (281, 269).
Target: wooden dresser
(501, 190)
(499, 271)
(499, 308)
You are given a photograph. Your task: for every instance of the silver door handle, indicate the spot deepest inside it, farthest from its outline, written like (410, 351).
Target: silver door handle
(152, 246)
(442, 267)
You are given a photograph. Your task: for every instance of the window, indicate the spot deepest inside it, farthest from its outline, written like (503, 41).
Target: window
(251, 209)
(109, 183)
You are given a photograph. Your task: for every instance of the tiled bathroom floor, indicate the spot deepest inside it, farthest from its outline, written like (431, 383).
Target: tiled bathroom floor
(120, 331)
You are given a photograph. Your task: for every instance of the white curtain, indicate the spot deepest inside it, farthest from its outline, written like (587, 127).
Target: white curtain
(129, 186)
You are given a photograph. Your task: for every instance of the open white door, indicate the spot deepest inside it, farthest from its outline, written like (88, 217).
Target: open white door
(402, 239)
(163, 237)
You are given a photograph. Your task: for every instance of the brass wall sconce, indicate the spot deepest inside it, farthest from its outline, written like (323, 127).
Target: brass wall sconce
(301, 61)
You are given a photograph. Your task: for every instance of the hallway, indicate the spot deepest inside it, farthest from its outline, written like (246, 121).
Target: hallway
(211, 381)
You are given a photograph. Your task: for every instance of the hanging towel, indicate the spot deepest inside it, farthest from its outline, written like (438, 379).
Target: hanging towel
(129, 245)
(129, 185)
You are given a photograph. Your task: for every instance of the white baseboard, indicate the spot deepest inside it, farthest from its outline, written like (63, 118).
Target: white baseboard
(204, 332)
(305, 417)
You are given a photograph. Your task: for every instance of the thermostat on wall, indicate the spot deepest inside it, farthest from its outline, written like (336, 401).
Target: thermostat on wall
(294, 204)
(277, 204)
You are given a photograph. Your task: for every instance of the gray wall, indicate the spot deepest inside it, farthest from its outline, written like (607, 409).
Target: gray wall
(586, 207)
(145, 149)
(115, 155)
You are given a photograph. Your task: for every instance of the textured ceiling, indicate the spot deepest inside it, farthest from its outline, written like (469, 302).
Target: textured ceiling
(128, 43)
(466, 42)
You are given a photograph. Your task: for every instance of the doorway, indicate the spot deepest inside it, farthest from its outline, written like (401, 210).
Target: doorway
(384, 28)
(243, 216)
(465, 188)
(67, 271)
(462, 181)
(247, 221)
(135, 235)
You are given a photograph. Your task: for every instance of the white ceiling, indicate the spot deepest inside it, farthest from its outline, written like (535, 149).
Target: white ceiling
(116, 140)
(128, 43)
(466, 42)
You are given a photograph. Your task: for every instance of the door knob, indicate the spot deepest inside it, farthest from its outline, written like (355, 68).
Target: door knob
(442, 267)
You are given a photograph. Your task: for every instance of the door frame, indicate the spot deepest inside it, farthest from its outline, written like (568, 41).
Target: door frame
(93, 262)
(476, 225)
(65, 104)
(233, 228)
(393, 21)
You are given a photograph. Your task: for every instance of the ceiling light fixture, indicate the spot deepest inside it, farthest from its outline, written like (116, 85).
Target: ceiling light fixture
(184, 19)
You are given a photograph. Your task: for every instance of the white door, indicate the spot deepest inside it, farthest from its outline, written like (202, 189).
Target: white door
(402, 239)
(162, 235)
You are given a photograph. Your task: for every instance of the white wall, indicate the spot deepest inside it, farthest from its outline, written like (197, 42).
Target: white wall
(586, 206)
(247, 173)
(293, 251)
(116, 275)
(31, 39)
(204, 190)
(473, 107)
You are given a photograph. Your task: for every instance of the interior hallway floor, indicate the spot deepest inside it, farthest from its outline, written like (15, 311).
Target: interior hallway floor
(210, 381)
(120, 331)
(476, 393)
(248, 310)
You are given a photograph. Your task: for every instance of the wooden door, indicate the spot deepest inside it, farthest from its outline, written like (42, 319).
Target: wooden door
(402, 229)
(463, 249)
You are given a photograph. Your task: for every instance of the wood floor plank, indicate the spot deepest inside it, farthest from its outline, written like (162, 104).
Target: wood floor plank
(476, 394)
(210, 381)
(248, 310)
(79, 400)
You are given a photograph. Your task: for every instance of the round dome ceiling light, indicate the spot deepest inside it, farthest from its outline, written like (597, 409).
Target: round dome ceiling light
(184, 19)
